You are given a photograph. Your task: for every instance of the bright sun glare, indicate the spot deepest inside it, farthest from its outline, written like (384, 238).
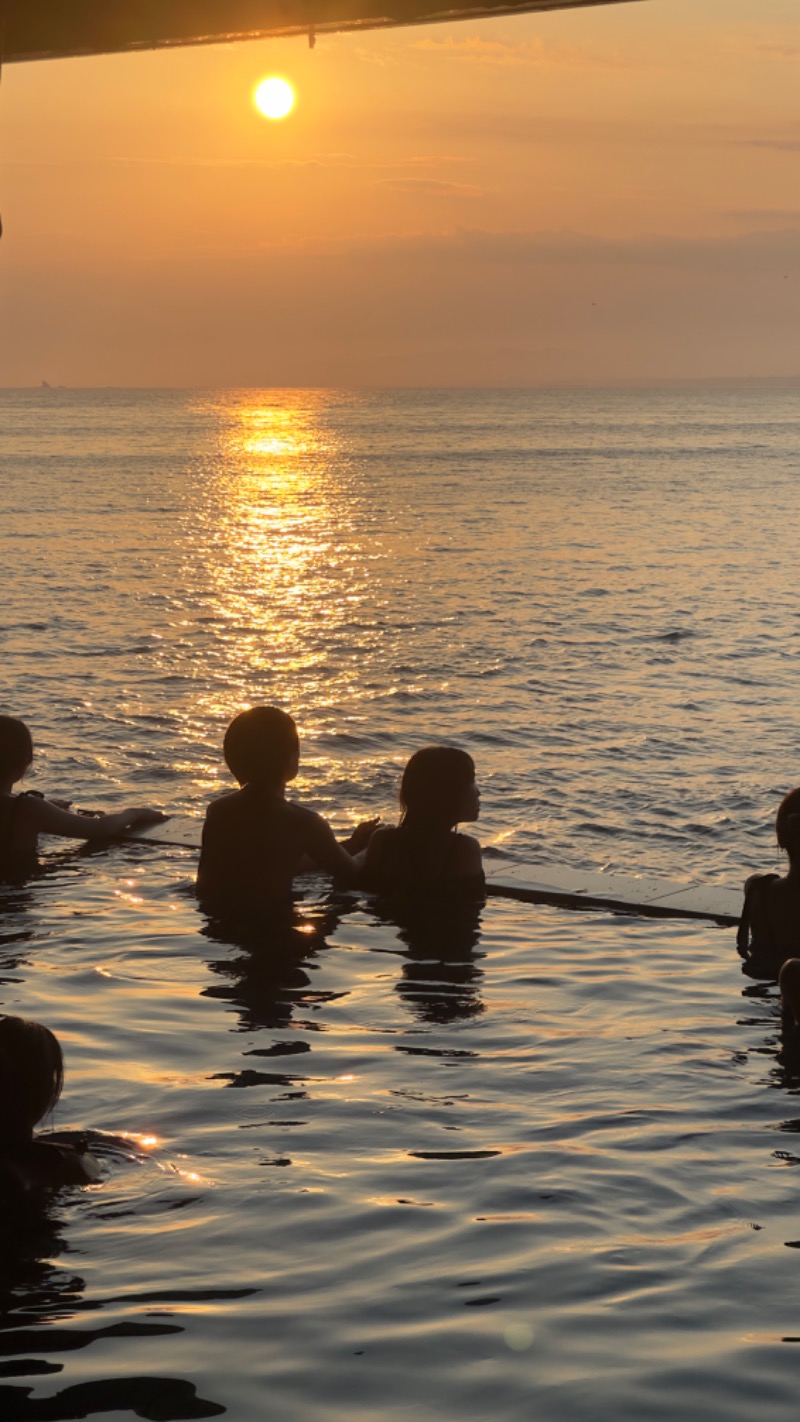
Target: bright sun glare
(274, 97)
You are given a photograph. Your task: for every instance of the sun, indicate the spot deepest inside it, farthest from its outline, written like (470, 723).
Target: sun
(274, 97)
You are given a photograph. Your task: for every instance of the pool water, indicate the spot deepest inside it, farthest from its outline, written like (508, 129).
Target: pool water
(510, 1162)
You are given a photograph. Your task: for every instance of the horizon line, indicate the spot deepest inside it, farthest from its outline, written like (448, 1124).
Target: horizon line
(622, 383)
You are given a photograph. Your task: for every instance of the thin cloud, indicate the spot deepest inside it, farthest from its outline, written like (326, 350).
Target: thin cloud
(760, 252)
(764, 214)
(476, 49)
(777, 145)
(434, 186)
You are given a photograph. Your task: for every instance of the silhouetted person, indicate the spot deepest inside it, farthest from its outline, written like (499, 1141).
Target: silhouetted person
(254, 839)
(769, 930)
(425, 851)
(24, 817)
(31, 1077)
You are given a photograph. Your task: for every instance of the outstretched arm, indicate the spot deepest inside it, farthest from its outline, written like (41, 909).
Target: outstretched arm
(48, 818)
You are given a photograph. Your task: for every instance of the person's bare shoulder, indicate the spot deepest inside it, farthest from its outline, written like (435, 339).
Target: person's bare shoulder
(467, 862)
(47, 1165)
(307, 825)
(226, 809)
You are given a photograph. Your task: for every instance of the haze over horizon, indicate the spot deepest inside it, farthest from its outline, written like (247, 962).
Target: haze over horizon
(592, 197)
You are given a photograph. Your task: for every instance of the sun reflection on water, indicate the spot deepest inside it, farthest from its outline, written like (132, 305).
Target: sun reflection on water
(281, 564)
(270, 537)
(282, 585)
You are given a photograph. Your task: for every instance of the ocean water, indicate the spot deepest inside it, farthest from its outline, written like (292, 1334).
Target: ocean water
(515, 1163)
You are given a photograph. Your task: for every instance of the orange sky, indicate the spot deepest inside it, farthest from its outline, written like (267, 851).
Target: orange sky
(597, 196)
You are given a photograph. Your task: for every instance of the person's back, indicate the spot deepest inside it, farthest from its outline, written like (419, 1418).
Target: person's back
(254, 840)
(425, 852)
(254, 843)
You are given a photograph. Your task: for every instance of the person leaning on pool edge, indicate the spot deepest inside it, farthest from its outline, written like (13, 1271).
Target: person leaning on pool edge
(769, 930)
(254, 839)
(24, 817)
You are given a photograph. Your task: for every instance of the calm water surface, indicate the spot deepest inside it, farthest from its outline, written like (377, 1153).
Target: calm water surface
(527, 1163)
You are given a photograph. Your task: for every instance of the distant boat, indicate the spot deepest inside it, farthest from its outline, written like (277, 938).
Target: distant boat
(46, 385)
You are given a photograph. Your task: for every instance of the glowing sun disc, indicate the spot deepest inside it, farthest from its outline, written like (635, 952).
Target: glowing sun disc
(274, 97)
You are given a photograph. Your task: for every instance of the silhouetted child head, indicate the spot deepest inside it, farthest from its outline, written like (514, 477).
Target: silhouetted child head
(31, 1077)
(438, 786)
(261, 747)
(16, 748)
(787, 825)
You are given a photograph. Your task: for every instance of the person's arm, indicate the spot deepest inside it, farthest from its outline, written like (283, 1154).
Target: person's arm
(373, 858)
(355, 846)
(325, 851)
(48, 818)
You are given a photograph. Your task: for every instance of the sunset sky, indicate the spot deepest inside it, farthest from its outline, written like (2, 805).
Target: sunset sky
(600, 196)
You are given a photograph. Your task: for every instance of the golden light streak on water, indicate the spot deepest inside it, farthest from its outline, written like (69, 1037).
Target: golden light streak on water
(283, 567)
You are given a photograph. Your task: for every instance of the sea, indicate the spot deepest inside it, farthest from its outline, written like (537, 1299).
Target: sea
(502, 1162)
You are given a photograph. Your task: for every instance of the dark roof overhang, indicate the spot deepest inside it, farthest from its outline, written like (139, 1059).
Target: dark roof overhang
(60, 29)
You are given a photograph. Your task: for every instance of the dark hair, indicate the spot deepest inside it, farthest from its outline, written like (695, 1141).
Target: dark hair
(787, 824)
(259, 745)
(434, 782)
(16, 747)
(31, 1075)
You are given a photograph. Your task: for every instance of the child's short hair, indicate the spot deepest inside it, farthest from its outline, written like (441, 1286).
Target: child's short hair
(31, 1075)
(16, 747)
(787, 824)
(260, 744)
(434, 782)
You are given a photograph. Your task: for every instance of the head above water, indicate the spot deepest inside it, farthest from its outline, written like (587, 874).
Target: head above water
(31, 1076)
(438, 786)
(787, 825)
(16, 748)
(261, 747)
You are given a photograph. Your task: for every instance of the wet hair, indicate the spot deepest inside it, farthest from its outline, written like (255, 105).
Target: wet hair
(434, 783)
(31, 1076)
(16, 747)
(259, 745)
(787, 824)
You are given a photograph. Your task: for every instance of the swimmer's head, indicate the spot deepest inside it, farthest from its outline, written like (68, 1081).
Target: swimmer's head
(438, 785)
(31, 1076)
(787, 824)
(16, 748)
(261, 747)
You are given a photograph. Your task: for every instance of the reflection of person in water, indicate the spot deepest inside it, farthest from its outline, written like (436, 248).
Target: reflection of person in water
(31, 1077)
(440, 980)
(39, 1297)
(425, 851)
(269, 976)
